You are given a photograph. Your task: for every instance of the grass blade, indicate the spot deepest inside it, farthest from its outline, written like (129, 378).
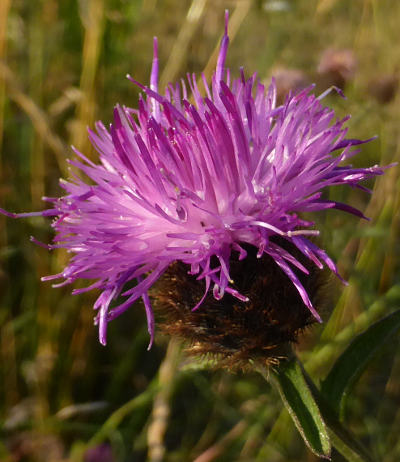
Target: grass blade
(353, 361)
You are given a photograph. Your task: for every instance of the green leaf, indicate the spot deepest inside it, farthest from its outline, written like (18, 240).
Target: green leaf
(353, 361)
(340, 437)
(346, 448)
(289, 380)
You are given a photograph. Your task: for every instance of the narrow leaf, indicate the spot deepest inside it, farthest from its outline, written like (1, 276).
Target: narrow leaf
(340, 437)
(289, 380)
(347, 450)
(353, 361)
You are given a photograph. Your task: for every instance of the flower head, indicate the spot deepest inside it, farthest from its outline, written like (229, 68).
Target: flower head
(200, 181)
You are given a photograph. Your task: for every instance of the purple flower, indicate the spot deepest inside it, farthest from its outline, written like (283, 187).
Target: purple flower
(100, 453)
(196, 182)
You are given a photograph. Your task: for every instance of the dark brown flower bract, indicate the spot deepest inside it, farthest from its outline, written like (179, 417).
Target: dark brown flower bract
(231, 331)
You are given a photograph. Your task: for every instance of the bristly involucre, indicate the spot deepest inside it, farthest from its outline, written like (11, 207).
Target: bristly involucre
(234, 334)
(197, 183)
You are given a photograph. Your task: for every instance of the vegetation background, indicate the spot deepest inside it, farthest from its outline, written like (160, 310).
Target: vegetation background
(63, 397)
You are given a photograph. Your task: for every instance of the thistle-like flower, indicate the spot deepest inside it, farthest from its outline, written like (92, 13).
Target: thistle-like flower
(197, 184)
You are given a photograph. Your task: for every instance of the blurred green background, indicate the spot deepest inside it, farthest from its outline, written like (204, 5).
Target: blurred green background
(63, 397)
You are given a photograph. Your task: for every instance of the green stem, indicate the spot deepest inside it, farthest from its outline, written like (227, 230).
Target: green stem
(311, 414)
(111, 424)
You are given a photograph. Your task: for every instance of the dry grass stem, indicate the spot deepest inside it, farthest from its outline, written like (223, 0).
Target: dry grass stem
(4, 10)
(161, 407)
(37, 116)
(182, 42)
(92, 15)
